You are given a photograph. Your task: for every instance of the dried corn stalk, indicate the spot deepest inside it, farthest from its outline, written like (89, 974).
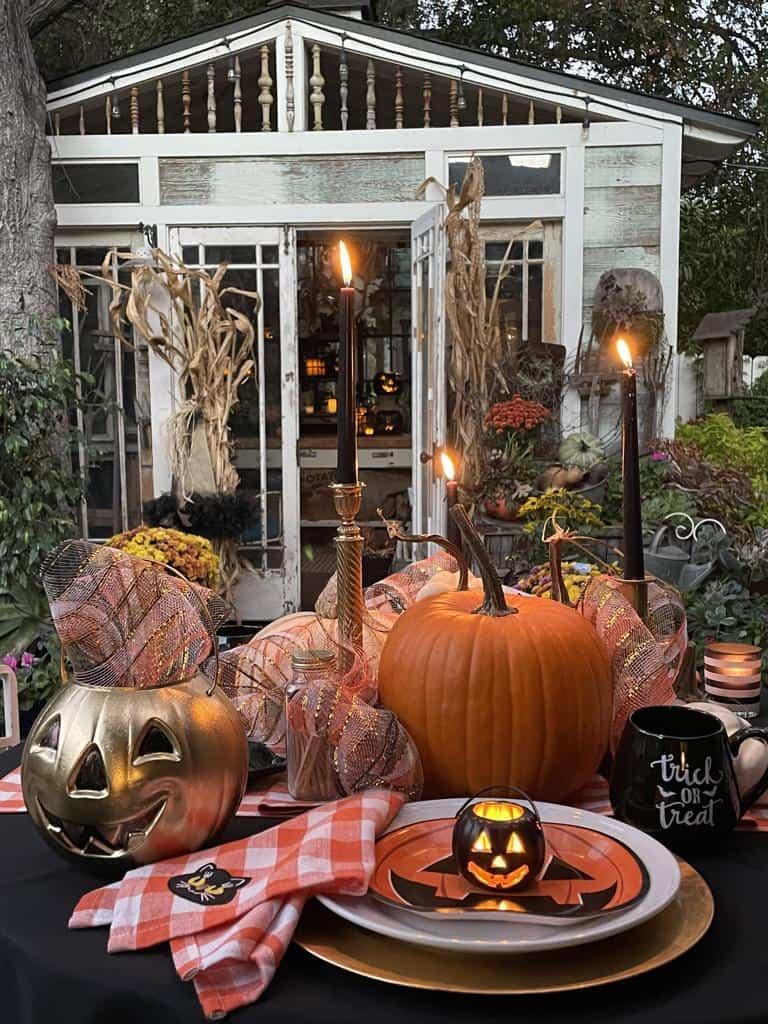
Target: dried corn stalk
(477, 345)
(210, 347)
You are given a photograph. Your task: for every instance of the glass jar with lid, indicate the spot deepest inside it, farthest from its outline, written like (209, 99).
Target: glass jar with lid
(311, 772)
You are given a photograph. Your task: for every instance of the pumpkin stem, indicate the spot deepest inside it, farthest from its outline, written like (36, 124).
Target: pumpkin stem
(394, 533)
(494, 602)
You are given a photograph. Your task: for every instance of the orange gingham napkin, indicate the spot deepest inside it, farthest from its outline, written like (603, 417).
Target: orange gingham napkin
(274, 801)
(11, 799)
(231, 950)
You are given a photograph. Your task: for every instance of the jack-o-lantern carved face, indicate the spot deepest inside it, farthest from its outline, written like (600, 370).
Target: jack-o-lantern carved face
(119, 777)
(584, 873)
(498, 845)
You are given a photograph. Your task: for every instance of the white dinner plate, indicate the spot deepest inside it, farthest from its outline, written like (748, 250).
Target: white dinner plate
(453, 932)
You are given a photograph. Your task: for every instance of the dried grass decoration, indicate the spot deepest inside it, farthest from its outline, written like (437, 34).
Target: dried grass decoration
(477, 344)
(210, 347)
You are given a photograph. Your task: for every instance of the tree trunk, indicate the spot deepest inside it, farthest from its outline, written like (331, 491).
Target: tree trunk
(27, 214)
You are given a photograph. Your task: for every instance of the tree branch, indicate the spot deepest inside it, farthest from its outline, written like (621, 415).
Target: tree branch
(43, 12)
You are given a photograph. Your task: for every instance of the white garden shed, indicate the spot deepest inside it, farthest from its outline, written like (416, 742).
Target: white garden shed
(261, 142)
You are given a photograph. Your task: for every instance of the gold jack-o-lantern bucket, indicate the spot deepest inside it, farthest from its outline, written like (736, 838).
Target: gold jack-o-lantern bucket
(141, 757)
(120, 777)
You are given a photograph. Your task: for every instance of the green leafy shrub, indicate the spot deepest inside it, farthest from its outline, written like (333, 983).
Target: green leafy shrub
(751, 410)
(721, 442)
(39, 488)
(573, 512)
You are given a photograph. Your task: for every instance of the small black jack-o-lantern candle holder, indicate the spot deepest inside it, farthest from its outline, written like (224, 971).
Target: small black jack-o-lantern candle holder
(499, 844)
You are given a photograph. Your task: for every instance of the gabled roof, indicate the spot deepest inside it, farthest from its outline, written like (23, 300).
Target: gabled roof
(710, 136)
(720, 325)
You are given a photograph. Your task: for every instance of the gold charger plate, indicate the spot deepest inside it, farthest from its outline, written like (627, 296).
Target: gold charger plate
(658, 941)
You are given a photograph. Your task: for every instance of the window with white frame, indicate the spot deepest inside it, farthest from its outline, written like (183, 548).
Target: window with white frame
(521, 266)
(512, 174)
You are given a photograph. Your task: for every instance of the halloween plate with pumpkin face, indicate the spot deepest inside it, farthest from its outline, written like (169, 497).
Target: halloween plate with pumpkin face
(600, 877)
(585, 874)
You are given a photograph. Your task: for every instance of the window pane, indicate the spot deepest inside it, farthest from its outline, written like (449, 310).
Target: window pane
(495, 251)
(96, 183)
(91, 257)
(190, 254)
(230, 254)
(269, 254)
(520, 174)
(534, 301)
(535, 249)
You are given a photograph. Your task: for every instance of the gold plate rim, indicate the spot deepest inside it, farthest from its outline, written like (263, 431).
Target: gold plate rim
(658, 941)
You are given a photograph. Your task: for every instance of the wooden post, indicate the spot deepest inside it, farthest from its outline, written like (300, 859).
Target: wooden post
(211, 72)
(343, 87)
(453, 103)
(135, 109)
(531, 113)
(399, 102)
(107, 115)
(82, 120)
(558, 115)
(290, 100)
(186, 100)
(370, 97)
(427, 94)
(265, 90)
(160, 108)
(237, 96)
(479, 108)
(316, 83)
(504, 108)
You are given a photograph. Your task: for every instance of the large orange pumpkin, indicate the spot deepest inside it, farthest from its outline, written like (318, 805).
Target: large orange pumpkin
(515, 692)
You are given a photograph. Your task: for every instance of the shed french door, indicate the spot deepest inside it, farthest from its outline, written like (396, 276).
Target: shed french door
(264, 424)
(428, 369)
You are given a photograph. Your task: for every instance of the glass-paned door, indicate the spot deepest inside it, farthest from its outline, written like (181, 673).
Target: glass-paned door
(264, 424)
(115, 453)
(428, 370)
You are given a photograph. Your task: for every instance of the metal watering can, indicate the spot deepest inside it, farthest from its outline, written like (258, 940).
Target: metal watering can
(676, 563)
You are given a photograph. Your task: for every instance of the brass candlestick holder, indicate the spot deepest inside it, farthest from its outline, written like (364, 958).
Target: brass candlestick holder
(349, 572)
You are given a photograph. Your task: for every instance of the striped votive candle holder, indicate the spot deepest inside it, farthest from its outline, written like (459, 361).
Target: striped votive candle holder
(732, 677)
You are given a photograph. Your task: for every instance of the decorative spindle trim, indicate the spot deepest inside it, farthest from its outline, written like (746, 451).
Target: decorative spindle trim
(57, 123)
(82, 121)
(265, 90)
(370, 96)
(558, 115)
(343, 87)
(531, 113)
(237, 96)
(186, 100)
(479, 108)
(504, 108)
(160, 107)
(316, 83)
(453, 103)
(107, 115)
(399, 103)
(135, 109)
(211, 73)
(290, 99)
(427, 94)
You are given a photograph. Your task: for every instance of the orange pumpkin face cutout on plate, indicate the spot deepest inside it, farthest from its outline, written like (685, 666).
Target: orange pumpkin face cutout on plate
(586, 874)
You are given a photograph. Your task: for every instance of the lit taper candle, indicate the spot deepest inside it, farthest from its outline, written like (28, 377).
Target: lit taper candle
(346, 389)
(634, 563)
(451, 496)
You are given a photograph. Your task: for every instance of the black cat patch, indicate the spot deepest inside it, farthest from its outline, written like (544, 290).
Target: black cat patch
(208, 885)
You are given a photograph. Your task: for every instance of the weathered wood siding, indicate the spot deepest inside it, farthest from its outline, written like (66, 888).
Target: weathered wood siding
(622, 213)
(241, 181)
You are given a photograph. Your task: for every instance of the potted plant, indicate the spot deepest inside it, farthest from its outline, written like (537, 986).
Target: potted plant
(508, 467)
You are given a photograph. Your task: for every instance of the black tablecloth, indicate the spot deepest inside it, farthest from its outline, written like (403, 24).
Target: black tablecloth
(51, 976)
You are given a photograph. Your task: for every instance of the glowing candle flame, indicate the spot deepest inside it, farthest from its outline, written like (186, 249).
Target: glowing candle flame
(625, 354)
(448, 469)
(346, 265)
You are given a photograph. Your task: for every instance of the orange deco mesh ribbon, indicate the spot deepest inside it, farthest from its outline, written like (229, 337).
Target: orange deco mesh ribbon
(124, 621)
(644, 658)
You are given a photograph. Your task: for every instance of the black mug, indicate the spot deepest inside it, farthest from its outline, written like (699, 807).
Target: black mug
(673, 774)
